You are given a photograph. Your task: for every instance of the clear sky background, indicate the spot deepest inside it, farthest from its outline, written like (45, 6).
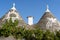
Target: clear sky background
(35, 8)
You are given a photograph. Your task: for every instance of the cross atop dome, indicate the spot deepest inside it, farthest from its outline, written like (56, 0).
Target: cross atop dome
(47, 9)
(13, 7)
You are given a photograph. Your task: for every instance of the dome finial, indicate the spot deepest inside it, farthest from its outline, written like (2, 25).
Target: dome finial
(13, 7)
(47, 9)
(13, 4)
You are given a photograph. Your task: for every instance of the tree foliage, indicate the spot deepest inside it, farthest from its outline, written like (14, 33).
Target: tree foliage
(10, 28)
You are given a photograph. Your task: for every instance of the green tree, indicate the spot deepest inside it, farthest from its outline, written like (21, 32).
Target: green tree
(38, 34)
(48, 35)
(9, 27)
(28, 34)
(57, 36)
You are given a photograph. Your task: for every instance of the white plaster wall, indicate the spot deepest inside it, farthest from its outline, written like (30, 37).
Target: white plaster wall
(30, 20)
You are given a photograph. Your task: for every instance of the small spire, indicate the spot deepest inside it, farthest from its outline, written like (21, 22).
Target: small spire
(47, 9)
(13, 6)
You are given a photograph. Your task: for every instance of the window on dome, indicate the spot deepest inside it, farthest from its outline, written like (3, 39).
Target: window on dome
(12, 15)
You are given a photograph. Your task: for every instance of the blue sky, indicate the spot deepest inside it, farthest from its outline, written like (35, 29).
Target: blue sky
(35, 8)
